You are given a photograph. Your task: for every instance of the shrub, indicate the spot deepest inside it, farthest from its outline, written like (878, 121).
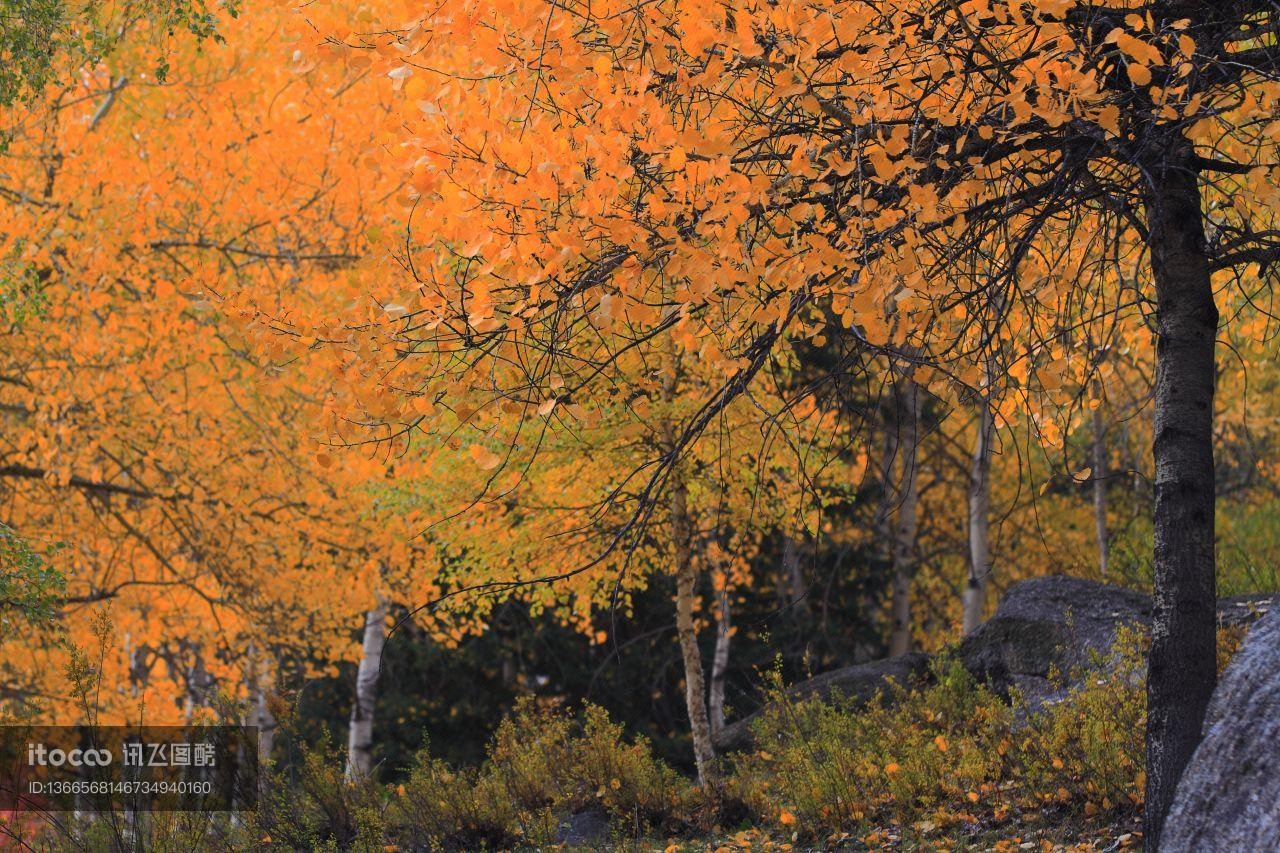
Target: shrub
(543, 766)
(316, 808)
(824, 767)
(452, 809)
(1088, 751)
(951, 752)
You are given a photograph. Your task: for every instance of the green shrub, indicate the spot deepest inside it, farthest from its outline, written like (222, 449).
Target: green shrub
(543, 766)
(316, 808)
(452, 809)
(950, 752)
(824, 767)
(1088, 750)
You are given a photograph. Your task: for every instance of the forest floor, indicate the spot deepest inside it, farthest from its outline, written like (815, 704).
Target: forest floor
(1048, 831)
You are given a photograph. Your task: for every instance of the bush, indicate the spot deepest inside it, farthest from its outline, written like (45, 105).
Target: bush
(951, 752)
(543, 766)
(1089, 751)
(316, 808)
(828, 768)
(452, 809)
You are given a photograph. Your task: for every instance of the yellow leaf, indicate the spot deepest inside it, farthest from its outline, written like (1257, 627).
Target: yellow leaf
(941, 743)
(485, 458)
(474, 249)
(892, 768)
(1139, 75)
(416, 88)
(677, 158)
(786, 818)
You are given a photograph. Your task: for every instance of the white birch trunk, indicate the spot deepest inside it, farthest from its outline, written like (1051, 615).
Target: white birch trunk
(975, 590)
(694, 682)
(1100, 489)
(906, 530)
(720, 660)
(360, 735)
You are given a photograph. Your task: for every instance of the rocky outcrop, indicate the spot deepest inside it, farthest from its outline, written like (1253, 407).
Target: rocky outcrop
(1042, 625)
(1050, 624)
(858, 684)
(1229, 796)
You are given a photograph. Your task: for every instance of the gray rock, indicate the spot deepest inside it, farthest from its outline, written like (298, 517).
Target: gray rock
(1229, 796)
(1244, 609)
(1046, 624)
(585, 827)
(1042, 624)
(859, 684)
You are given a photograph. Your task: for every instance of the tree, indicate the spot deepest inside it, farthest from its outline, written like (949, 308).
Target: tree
(838, 154)
(181, 470)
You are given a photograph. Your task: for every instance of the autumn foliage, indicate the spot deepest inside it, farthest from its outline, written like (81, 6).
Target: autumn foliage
(325, 324)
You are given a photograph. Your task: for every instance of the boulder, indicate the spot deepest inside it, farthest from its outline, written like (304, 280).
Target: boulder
(588, 826)
(1046, 624)
(1229, 795)
(1244, 610)
(859, 684)
(1041, 625)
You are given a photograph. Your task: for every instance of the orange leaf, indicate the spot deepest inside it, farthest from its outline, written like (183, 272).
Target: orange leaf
(1139, 75)
(485, 458)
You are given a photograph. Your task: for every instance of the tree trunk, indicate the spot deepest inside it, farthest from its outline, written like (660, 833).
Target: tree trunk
(975, 588)
(884, 518)
(1100, 485)
(1181, 669)
(694, 687)
(360, 736)
(793, 575)
(720, 660)
(260, 689)
(906, 529)
(260, 684)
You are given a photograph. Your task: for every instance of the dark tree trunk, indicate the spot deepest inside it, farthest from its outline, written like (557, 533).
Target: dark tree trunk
(1181, 671)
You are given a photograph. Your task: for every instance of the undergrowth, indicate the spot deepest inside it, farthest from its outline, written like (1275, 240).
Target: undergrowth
(944, 763)
(949, 755)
